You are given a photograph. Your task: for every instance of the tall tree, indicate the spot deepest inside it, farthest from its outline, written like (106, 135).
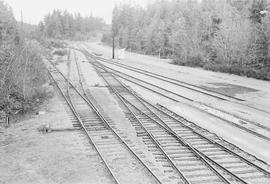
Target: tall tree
(227, 35)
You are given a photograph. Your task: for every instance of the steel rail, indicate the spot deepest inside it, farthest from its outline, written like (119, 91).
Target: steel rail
(212, 141)
(86, 98)
(71, 106)
(224, 148)
(151, 90)
(79, 71)
(199, 134)
(239, 126)
(183, 142)
(166, 79)
(150, 135)
(199, 87)
(196, 152)
(176, 94)
(159, 93)
(143, 101)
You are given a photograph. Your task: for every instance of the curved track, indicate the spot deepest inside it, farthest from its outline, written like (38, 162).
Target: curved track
(192, 87)
(177, 82)
(109, 145)
(230, 166)
(262, 132)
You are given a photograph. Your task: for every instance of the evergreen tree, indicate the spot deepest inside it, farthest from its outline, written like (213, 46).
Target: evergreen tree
(227, 35)
(66, 25)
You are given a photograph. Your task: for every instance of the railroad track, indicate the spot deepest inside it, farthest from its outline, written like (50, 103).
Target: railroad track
(176, 82)
(180, 83)
(124, 163)
(254, 128)
(199, 157)
(172, 172)
(204, 91)
(199, 89)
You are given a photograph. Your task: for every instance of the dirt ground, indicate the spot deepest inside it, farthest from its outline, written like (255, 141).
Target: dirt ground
(29, 156)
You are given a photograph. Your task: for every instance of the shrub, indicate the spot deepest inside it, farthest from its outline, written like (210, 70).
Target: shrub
(24, 77)
(57, 44)
(178, 62)
(60, 52)
(235, 69)
(194, 61)
(250, 72)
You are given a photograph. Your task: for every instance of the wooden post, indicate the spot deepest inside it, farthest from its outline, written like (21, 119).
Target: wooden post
(113, 46)
(7, 121)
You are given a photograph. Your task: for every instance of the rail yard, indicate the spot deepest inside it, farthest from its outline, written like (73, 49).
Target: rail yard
(135, 92)
(160, 146)
(125, 116)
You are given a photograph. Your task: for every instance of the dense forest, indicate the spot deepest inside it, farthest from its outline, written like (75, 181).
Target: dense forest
(221, 35)
(64, 25)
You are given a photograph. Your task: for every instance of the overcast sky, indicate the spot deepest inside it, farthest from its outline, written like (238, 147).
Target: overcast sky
(34, 10)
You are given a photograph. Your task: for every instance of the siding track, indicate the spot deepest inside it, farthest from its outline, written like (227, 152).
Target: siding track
(253, 128)
(114, 150)
(200, 157)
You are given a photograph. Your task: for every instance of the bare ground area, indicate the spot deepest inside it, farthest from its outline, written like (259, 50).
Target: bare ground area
(29, 156)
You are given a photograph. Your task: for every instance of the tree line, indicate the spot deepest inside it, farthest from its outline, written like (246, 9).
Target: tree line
(221, 35)
(64, 25)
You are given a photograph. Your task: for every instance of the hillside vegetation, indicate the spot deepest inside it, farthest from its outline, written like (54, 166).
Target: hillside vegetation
(230, 36)
(22, 73)
(23, 76)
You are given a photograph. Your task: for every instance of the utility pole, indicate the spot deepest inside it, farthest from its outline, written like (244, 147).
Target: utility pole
(22, 32)
(113, 36)
(21, 17)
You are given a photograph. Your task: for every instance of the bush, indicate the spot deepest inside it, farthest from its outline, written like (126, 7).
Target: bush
(178, 62)
(250, 72)
(19, 92)
(237, 70)
(57, 44)
(194, 61)
(262, 74)
(60, 52)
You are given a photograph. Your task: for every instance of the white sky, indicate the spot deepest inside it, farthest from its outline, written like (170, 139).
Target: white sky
(34, 10)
